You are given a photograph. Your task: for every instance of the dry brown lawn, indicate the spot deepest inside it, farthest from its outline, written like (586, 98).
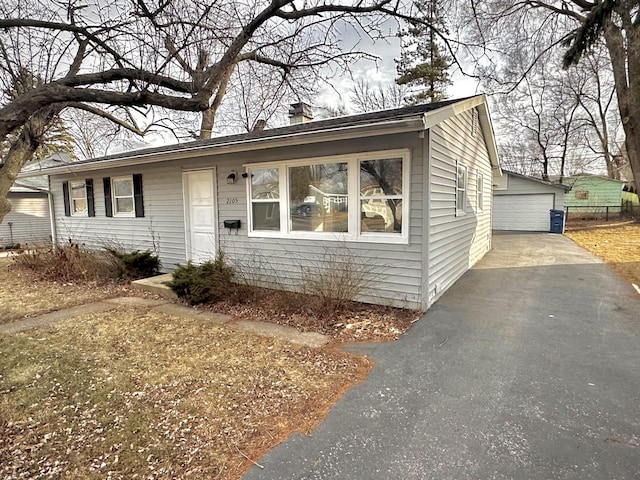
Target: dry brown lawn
(21, 295)
(133, 393)
(616, 243)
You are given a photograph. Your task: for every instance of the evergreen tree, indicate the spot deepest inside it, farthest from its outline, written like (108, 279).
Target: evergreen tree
(423, 65)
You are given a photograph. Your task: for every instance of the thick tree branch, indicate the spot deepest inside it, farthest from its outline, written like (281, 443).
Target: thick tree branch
(15, 114)
(118, 74)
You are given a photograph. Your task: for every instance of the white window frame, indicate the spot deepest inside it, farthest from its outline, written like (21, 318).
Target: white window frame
(354, 233)
(72, 200)
(461, 191)
(114, 198)
(479, 192)
(251, 201)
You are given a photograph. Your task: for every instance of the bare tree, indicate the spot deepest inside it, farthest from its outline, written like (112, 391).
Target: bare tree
(540, 114)
(367, 98)
(259, 93)
(324, 110)
(89, 55)
(537, 27)
(592, 83)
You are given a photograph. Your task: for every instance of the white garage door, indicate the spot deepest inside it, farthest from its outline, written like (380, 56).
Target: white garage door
(522, 212)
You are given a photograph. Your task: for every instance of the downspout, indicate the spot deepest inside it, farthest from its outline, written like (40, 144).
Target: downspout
(52, 218)
(425, 136)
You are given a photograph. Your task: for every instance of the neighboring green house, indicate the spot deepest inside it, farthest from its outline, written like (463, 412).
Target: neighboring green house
(593, 194)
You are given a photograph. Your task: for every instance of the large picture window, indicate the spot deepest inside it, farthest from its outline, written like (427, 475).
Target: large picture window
(318, 198)
(359, 197)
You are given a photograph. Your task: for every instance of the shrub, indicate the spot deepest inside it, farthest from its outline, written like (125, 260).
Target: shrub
(209, 282)
(135, 265)
(334, 278)
(68, 262)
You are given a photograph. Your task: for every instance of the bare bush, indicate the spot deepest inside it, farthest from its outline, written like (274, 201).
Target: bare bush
(336, 277)
(68, 262)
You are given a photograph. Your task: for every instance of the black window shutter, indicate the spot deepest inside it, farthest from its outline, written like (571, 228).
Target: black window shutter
(65, 195)
(91, 209)
(137, 195)
(108, 205)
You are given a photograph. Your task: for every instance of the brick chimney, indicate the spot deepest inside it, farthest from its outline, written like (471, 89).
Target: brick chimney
(259, 125)
(300, 113)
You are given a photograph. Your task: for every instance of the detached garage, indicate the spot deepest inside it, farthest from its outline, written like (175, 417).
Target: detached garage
(522, 203)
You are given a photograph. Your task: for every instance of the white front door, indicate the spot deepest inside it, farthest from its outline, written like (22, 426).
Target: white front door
(200, 214)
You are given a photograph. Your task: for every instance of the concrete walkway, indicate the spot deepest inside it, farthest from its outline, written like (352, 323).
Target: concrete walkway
(289, 334)
(528, 368)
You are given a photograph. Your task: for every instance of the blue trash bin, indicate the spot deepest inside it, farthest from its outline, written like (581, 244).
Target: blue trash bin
(557, 221)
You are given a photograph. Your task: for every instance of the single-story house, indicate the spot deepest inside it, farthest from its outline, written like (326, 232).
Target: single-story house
(593, 194)
(522, 203)
(412, 186)
(29, 221)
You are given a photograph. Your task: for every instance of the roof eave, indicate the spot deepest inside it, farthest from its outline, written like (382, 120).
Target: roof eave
(449, 111)
(409, 124)
(561, 186)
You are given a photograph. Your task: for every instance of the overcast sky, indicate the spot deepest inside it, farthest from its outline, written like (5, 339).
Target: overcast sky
(383, 70)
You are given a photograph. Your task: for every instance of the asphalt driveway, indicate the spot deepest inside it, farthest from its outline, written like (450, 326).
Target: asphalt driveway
(528, 368)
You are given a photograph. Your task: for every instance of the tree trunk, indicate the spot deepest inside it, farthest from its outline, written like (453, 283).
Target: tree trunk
(625, 60)
(631, 128)
(22, 150)
(209, 115)
(206, 125)
(19, 154)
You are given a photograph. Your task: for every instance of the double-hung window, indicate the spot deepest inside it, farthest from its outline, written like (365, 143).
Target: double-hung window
(480, 192)
(79, 205)
(122, 188)
(357, 197)
(265, 199)
(381, 195)
(78, 198)
(123, 196)
(461, 189)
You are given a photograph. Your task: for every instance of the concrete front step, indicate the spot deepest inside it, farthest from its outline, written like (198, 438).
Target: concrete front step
(155, 285)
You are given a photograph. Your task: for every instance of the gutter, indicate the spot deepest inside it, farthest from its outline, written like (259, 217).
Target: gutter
(52, 217)
(416, 123)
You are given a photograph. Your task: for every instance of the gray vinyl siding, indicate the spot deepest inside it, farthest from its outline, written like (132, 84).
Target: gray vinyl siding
(456, 242)
(277, 262)
(397, 267)
(30, 219)
(522, 186)
(160, 230)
